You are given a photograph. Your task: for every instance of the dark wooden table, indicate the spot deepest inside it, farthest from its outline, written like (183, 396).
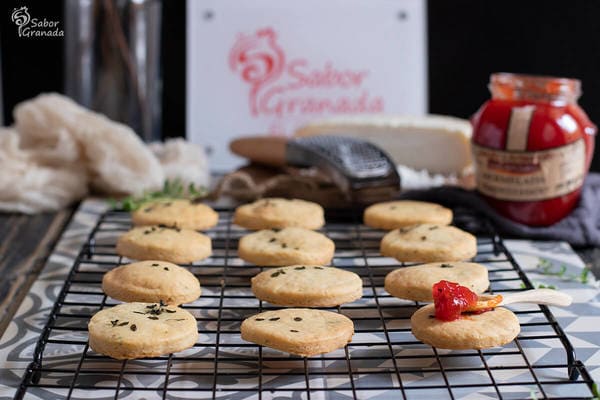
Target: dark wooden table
(27, 241)
(25, 244)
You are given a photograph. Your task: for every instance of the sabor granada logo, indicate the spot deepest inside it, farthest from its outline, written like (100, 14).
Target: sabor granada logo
(34, 27)
(282, 88)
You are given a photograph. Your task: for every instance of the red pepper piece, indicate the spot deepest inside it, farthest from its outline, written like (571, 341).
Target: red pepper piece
(451, 299)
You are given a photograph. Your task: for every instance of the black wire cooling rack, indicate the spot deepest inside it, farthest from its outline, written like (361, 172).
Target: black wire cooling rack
(384, 360)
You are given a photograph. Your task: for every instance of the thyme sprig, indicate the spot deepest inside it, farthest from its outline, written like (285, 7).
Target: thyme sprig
(546, 267)
(172, 189)
(539, 285)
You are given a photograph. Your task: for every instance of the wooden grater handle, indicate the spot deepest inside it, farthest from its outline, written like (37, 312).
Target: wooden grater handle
(267, 150)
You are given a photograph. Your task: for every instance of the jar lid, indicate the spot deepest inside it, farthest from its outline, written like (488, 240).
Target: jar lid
(534, 87)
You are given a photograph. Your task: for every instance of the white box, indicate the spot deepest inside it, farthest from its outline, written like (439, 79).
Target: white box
(269, 66)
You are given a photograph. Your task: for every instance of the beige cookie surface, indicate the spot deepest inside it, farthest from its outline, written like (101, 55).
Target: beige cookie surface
(429, 243)
(415, 283)
(307, 286)
(279, 213)
(288, 246)
(139, 330)
(162, 243)
(177, 212)
(151, 281)
(475, 331)
(397, 214)
(301, 331)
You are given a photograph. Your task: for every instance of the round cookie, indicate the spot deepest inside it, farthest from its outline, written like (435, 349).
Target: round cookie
(158, 242)
(429, 243)
(415, 283)
(474, 331)
(289, 246)
(397, 214)
(307, 286)
(151, 281)
(279, 213)
(302, 331)
(139, 330)
(177, 212)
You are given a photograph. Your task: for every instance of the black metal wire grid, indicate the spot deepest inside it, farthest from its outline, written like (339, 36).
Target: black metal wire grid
(383, 361)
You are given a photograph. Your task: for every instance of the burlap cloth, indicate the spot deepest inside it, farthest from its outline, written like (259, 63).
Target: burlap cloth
(254, 181)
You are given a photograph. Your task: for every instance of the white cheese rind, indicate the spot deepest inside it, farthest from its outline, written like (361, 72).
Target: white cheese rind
(436, 143)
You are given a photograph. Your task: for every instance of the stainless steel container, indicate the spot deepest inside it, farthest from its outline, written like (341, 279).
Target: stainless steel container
(112, 60)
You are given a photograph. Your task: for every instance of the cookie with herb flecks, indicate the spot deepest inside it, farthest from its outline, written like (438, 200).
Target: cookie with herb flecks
(279, 213)
(415, 283)
(181, 213)
(139, 330)
(429, 243)
(159, 242)
(151, 281)
(302, 331)
(307, 286)
(473, 331)
(397, 214)
(288, 246)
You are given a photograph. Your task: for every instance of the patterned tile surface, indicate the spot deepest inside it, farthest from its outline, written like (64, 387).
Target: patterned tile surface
(415, 370)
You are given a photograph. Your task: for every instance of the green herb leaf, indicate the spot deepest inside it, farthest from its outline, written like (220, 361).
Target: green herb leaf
(539, 285)
(542, 286)
(547, 268)
(584, 277)
(172, 189)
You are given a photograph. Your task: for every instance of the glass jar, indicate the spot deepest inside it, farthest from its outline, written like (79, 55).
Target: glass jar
(532, 146)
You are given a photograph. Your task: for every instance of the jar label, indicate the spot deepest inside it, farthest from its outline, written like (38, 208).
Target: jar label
(530, 175)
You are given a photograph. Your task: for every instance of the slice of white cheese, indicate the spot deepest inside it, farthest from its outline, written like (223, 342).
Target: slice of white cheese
(436, 143)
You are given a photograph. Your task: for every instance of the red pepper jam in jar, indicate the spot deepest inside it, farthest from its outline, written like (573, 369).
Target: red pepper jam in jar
(532, 146)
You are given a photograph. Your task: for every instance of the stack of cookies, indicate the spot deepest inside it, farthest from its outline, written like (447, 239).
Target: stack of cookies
(150, 323)
(420, 232)
(285, 239)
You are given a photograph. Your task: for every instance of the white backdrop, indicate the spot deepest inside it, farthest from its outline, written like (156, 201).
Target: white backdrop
(268, 66)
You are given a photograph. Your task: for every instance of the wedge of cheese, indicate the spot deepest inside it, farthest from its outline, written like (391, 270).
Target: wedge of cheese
(436, 143)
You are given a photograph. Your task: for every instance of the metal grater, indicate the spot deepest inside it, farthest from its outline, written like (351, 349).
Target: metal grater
(358, 167)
